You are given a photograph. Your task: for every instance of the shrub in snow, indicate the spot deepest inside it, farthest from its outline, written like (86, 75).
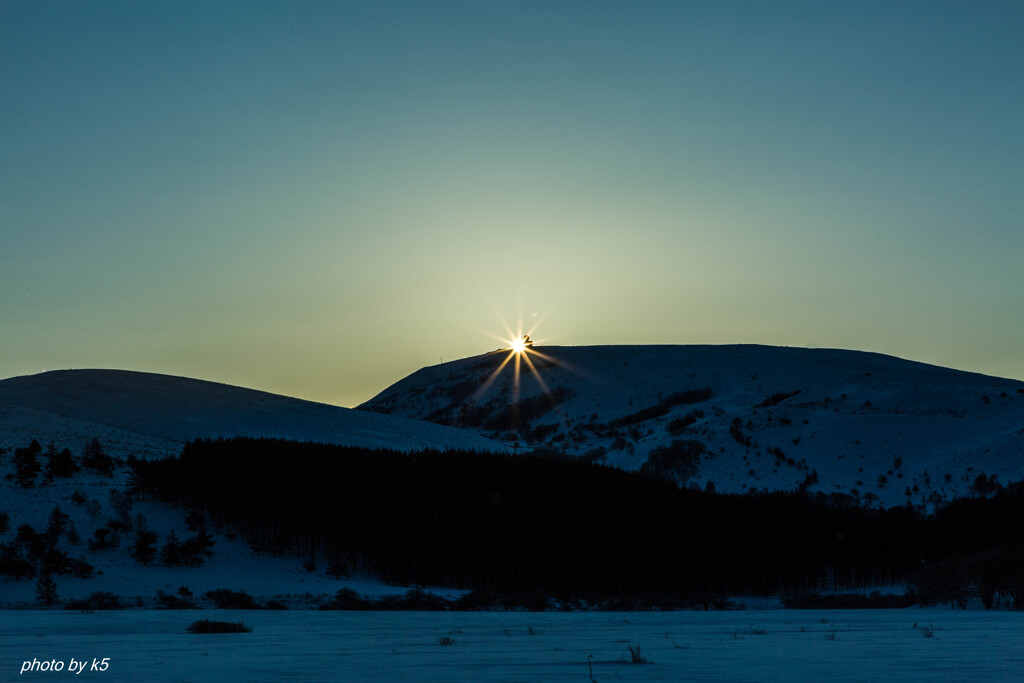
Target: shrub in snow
(168, 601)
(208, 626)
(101, 540)
(98, 600)
(678, 461)
(229, 599)
(736, 431)
(14, 564)
(416, 599)
(347, 599)
(681, 424)
(875, 600)
(778, 398)
(635, 655)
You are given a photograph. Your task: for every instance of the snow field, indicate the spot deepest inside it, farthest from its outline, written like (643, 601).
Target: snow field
(771, 645)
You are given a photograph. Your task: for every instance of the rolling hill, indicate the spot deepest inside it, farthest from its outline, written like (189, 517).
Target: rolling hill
(739, 417)
(151, 414)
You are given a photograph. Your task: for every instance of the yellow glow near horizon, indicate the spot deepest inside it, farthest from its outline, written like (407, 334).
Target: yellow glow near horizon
(518, 345)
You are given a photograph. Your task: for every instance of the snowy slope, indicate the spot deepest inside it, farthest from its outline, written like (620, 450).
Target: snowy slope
(157, 412)
(233, 565)
(876, 427)
(148, 415)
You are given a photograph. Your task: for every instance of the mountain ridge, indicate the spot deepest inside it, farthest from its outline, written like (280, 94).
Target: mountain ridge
(862, 423)
(173, 409)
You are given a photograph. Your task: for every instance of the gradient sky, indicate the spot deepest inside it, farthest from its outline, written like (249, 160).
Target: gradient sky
(317, 199)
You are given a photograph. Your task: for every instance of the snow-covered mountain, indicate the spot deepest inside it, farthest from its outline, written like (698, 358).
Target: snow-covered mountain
(738, 416)
(150, 414)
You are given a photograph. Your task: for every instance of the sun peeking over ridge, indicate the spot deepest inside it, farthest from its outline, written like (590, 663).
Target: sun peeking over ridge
(519, 349)
(520, 345)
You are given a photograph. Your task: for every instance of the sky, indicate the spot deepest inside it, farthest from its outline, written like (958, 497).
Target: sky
(319, 198)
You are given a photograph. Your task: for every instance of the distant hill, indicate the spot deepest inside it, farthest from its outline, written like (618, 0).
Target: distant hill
(739, 417)
(151, 414)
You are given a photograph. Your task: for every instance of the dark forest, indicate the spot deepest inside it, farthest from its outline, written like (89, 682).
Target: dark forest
(537, 529)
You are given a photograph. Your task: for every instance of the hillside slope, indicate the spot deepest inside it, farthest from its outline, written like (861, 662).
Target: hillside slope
(151, 413)
(151, 416)
(739, 417)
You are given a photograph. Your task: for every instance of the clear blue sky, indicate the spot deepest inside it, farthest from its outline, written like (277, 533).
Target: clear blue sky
(319, 198)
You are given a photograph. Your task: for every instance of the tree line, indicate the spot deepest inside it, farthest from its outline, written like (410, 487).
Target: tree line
(555, 528)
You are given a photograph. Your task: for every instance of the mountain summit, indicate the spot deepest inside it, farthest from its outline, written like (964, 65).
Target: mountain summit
(739, 417)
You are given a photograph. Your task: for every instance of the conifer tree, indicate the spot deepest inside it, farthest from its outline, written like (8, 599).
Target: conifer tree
(46, 589)
(26, 465)
(93, 509)
(94, 458)
(57, 526)
(59, 464)
(72, 534)
(171, 553)
(144, 547)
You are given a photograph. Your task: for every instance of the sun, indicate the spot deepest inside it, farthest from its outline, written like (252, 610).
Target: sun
(520, 345)
(519, 351)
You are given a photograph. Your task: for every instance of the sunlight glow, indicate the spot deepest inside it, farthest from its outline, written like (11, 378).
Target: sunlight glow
(520, 345)
(518, 351)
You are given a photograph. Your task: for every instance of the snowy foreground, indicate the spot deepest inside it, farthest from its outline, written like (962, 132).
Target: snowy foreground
(770, 645)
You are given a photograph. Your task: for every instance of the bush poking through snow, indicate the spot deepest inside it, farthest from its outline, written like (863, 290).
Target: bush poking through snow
(210, 626)
(635, 655)
(777, 398)
(229, 599)
(179, 601)
(98, 600)
(677, 462)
